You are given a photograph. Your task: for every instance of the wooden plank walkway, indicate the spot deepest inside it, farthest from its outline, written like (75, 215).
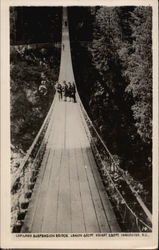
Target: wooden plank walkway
(68, 196)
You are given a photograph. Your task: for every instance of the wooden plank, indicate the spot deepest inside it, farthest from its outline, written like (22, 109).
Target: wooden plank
(38, 217)
(33, 205)
(77, 216)
(98, 206)
(90, 218)
(50, 217)
(42, 198)
(27, 226)
(64, 206)
(49, 222)
(104, 197)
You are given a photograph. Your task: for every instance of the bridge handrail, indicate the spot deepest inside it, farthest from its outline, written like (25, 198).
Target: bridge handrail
(137, 218)
(149, 215)
(83, 110)
(26, 157)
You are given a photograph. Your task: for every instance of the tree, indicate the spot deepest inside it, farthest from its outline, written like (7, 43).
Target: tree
(13, 19)
(103, 79)
(29, 105)
(109, 90)
(35, 24)
(139, 71)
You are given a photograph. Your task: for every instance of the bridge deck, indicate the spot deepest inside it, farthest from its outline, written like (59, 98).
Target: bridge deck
(69, 195)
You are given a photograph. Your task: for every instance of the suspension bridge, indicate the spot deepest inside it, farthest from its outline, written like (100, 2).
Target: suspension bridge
(62, 188)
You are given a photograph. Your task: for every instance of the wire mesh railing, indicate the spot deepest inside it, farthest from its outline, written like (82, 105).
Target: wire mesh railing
(132, 214)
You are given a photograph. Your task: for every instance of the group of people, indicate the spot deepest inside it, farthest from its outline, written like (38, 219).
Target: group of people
(66, 90)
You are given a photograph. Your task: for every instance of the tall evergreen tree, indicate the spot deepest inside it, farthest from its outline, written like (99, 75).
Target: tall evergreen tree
(139, 71)
(109, 90)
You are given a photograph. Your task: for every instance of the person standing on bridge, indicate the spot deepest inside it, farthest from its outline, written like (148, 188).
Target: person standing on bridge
(74, 92)
(65, 90)
(58, 88)
(63, 46)
(70, 90)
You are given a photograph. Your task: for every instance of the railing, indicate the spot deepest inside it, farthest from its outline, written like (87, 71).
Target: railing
(23, 180)
(33, 148)
(109, 168)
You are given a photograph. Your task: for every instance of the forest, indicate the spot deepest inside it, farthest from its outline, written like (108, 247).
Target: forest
(112, 60)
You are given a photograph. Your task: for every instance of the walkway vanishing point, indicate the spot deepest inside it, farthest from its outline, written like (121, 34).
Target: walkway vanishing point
(68, 196)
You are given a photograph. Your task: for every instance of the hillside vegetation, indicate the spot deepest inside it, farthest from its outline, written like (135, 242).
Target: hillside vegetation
(113, 71)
